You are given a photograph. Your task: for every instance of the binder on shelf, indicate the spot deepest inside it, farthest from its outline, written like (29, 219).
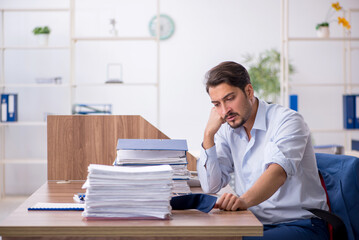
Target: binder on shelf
(349, 111)
(331, 149)
(355, 145)
(356, 112)
(85, 109)
(293, 102)
(9, 107)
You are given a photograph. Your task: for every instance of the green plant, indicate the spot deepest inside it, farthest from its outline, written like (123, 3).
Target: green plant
(264, 72)
(323, 24)
(41, 30)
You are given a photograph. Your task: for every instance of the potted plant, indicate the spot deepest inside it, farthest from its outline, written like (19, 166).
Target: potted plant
(323, 30)
(42, 34)
(323, 27)
(264, 72)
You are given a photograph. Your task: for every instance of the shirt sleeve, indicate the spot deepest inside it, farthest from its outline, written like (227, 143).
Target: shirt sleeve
(289, 143)
(214, 166)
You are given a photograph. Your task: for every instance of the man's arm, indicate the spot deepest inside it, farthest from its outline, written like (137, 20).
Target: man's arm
(214, 123)
(266, 185)
(212, 173)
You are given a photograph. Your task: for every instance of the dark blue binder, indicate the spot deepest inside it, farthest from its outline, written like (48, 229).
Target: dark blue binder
(356, 112)
(293, 102)
(8, 107)
(349, 111)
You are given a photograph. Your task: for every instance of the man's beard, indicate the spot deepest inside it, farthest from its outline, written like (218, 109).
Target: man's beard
(232, 124)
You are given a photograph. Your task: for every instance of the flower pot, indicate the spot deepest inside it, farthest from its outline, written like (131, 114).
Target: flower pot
(42, 39)
(323, 32)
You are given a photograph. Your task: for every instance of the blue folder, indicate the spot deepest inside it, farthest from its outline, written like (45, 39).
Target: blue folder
(349, 110)
(8, 107)
(152, 144)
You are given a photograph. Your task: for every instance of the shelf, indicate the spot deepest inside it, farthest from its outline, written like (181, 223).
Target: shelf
(35, 9)
(25, 160)
(339, 130)
(113, 84)
(323, 84)
(20, 123)
(321, 39)
(34, 85)
(114, 38)
(33, 47)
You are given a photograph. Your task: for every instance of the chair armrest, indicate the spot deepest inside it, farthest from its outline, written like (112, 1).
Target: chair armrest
(339, 229)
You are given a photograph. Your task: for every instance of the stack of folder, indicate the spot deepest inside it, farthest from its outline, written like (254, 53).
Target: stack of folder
(128, 192)
(140, 152)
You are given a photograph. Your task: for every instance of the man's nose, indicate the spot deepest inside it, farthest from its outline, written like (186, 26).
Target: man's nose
(225, 109)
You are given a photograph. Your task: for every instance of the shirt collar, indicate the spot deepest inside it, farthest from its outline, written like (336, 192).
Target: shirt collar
(260, 122)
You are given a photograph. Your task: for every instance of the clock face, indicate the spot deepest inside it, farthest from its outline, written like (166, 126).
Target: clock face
(167, 26)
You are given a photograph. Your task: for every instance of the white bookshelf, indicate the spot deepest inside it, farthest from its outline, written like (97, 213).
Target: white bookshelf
(72, 85)
(346, 85)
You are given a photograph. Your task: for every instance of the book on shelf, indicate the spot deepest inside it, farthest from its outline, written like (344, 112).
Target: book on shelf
(86, 109)
(331, 149)
(142, 152)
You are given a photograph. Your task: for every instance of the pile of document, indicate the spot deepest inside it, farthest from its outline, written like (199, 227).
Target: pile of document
(140, 152)
(128, 192)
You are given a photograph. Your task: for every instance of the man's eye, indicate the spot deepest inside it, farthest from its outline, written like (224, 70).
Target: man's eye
(230, 98)
(216, 104)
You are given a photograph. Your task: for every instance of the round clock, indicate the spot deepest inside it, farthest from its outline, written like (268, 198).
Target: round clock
(167, 26)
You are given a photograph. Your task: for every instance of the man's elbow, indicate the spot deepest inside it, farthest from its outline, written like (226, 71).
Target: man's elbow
(280, 173)
(210, 189)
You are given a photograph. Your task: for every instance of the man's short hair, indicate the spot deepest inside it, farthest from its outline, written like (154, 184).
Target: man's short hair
(228, 72)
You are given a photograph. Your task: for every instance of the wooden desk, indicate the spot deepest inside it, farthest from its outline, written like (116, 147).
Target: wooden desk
(58, 225)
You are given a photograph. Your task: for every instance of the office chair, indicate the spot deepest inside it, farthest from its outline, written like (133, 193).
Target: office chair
(340, 179)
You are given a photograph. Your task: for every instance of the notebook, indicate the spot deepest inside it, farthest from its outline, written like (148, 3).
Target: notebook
(57, 207)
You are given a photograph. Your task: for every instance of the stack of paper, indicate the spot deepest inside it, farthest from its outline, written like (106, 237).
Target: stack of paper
(128, 192)
(139, 152)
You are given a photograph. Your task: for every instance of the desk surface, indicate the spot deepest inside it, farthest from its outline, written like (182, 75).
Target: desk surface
(70, 223)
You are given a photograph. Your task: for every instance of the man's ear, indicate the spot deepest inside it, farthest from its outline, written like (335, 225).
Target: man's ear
(249, 91)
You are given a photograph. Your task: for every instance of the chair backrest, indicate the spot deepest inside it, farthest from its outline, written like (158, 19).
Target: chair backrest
(75, 141)
(341, 176)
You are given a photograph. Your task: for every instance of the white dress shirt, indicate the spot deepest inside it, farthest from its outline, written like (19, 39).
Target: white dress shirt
(279, 135)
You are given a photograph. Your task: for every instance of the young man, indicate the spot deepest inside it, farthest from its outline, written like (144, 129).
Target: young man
(269, 150)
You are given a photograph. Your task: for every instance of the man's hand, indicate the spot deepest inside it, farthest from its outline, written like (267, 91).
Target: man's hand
(230, 202)
(265, 186)
(214, 123)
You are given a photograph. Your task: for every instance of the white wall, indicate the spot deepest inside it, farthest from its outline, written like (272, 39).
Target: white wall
(207, 33)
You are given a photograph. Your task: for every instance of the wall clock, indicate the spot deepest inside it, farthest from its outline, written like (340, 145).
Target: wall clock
(167, 26)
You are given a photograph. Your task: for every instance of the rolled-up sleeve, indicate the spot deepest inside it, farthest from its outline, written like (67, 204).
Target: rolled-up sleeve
(288, 145)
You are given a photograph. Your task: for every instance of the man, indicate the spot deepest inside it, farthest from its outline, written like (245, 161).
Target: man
(269, 150)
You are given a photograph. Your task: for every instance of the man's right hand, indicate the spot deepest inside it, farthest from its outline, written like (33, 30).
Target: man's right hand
(214, 123)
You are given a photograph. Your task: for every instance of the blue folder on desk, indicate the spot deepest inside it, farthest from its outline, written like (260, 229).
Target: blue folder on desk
(199, 201)
(152, 144)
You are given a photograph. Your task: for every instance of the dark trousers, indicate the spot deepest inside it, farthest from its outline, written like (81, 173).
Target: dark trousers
(312, 228)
